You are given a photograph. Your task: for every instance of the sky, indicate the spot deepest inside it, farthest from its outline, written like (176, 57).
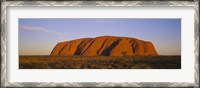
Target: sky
(38, 36)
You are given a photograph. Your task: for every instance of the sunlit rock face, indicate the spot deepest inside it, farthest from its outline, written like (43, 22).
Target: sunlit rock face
(105, 46)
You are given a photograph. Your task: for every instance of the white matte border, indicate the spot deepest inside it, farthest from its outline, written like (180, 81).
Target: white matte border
(186, 74)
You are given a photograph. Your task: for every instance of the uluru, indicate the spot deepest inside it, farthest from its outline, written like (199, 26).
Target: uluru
(105, 46)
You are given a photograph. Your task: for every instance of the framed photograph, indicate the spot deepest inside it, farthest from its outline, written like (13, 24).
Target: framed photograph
(100, 44)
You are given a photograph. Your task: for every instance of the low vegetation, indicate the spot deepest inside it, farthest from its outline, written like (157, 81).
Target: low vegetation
(99, 62)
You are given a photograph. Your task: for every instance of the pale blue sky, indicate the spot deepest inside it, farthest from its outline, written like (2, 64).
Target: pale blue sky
(39, 36)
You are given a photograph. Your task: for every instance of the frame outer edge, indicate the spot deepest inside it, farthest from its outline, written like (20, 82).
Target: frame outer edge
(96, 3)
(3, 44)
(196, 26)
